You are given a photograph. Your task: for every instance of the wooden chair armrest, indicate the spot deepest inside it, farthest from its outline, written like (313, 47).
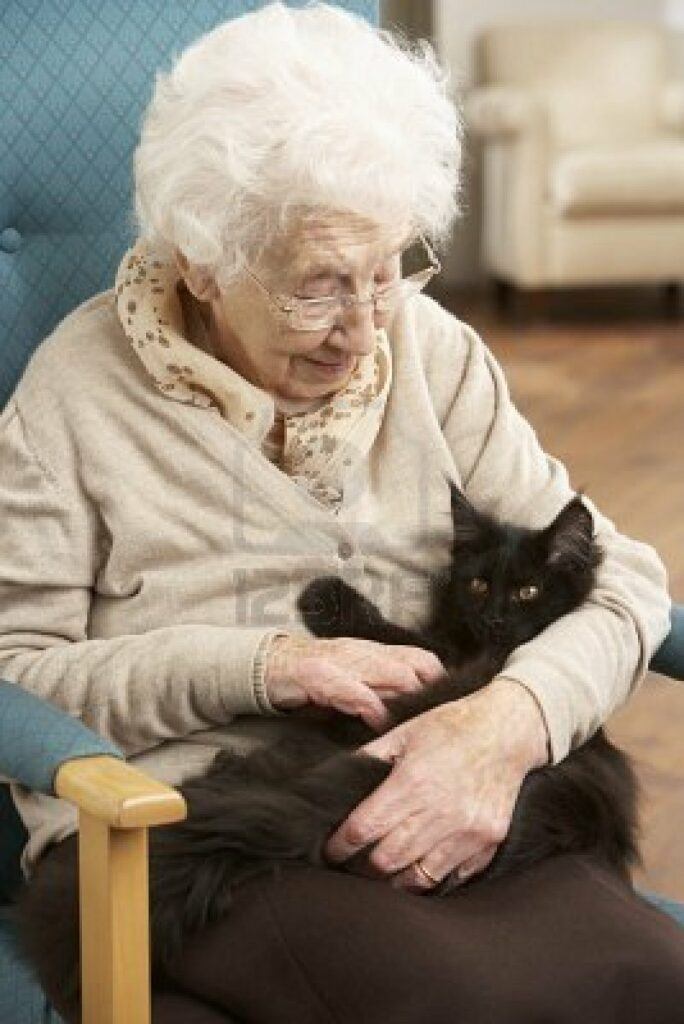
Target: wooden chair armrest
(117, 793)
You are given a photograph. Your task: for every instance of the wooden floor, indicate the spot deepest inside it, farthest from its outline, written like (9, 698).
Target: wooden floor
(603, 385)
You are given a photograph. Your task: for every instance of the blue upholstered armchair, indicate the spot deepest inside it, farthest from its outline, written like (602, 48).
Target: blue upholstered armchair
(74, 79)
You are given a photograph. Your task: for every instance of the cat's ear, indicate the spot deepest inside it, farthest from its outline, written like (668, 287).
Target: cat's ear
(569, 538)
(467, 525)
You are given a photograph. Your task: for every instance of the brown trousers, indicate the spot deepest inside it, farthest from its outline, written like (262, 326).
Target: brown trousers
(565, 942)
(562, 943)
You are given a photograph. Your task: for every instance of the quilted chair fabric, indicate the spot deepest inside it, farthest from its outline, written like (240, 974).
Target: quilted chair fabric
(74, 80)
(670, 907)
(21, 998)
(35, 738)
(669, 658)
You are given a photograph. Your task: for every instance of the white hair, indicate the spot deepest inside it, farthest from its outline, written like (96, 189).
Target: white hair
(284, 110)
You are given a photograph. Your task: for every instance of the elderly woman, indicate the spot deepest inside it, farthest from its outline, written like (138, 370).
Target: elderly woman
(262, 399)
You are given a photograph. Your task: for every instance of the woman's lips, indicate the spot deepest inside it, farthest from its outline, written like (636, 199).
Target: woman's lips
(331, 369)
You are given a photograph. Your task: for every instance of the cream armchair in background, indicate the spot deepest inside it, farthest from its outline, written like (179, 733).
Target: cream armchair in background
(583, 154)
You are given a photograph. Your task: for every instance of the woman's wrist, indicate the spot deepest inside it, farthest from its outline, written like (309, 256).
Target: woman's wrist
(279, 685)
(525, 721)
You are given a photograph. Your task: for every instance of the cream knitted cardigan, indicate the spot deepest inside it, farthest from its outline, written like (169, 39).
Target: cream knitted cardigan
(149, 549)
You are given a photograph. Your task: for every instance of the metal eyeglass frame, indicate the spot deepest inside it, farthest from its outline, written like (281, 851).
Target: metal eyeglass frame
(293, 308)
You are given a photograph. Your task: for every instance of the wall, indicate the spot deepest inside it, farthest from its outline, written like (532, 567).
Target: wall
(454, 25)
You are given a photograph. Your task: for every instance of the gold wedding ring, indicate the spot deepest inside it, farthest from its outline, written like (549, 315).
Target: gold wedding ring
(426, 874)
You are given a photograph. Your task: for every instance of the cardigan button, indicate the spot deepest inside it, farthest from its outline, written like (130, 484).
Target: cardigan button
(345, 549)
(10, 240)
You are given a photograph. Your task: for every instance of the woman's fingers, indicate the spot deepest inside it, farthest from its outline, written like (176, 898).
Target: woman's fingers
(377, 816)
(403, 669)
(425, 664)
(379, 664)
(439, 862)
(356, 698)
(393, 676)
(474, 865)
(423, 832)
(411, 840)
(330, 686)
(407, 839)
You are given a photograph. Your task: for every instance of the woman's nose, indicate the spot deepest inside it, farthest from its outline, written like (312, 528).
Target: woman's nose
(357, 330)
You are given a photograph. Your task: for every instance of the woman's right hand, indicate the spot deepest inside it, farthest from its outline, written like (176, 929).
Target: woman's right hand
(352, 676)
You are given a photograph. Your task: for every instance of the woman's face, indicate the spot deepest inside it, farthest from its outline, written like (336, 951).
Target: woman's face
(322, 255)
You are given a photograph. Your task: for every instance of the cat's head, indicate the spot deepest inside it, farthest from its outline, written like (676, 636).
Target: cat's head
(507, 583)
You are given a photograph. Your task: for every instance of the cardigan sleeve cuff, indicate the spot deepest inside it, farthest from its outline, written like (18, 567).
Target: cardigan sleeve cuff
(259, 664)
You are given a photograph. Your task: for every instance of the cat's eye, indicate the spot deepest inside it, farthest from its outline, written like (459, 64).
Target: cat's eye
(478, 586)
(529, 593)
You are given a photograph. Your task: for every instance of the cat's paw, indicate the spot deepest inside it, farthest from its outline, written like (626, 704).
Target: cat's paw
(320, 604)
(330, 607)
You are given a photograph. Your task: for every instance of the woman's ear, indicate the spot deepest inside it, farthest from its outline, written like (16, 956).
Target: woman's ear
(198, 280)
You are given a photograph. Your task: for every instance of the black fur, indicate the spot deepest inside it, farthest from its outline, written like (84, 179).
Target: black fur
(249, 814)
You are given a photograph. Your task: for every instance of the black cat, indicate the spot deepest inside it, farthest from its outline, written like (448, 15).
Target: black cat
(249, 814)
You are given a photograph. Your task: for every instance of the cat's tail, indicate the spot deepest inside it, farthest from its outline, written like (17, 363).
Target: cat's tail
(245, 831)
(195, 866)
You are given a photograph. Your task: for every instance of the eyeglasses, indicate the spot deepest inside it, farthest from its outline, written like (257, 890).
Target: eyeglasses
(319, 314)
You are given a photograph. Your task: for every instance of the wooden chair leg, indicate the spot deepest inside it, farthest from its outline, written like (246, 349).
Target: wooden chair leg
(115, 963)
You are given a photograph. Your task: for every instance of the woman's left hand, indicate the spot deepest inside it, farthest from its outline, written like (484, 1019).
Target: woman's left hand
(448, 802)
